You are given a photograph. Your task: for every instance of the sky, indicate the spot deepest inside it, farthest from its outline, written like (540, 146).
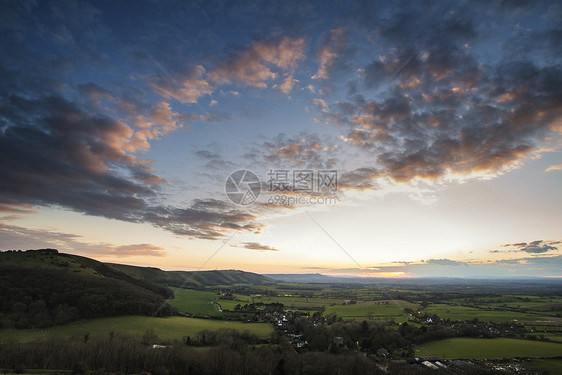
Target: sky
(367, 138)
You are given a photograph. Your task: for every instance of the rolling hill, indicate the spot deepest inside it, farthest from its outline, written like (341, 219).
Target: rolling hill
(40, 288)
(193, 279)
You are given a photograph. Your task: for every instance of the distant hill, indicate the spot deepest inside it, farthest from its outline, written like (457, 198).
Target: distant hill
(40, 288)
(317, 278)
(193, 279)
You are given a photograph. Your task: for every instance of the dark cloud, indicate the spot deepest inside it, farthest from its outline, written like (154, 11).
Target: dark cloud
(205, 219)
(64, 156)
(79, 146)
(257, 246)
(535, 247)
(359, 179)
(306, 149)
(214, 161)
(446, 114)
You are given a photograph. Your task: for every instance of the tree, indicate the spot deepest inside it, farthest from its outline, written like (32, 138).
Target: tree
(149, 337)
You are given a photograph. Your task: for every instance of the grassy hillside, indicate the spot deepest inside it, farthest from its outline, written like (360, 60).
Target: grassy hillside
(193, 279)
(167, 329)
(41, 288)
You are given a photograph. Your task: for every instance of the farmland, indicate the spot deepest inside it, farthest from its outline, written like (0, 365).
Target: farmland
(474, 348)
(84, 305)
(167, 329)
(194, 301)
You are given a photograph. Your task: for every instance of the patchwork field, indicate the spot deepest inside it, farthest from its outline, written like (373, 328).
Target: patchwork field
(167, 329)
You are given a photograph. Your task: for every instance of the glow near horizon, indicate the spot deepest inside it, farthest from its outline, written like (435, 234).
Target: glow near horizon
(461, 218)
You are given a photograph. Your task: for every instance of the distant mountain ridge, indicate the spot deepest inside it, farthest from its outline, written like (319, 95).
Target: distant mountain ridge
(317, 278)
(193, 279)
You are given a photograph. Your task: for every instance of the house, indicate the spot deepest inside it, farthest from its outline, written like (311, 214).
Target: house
(382, 352)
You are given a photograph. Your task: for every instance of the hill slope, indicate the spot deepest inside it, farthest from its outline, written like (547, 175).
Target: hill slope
(193, 279)
(40, 288)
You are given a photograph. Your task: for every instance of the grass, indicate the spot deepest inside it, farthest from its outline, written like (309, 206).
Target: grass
(378, 310)
(194, 301)
(167, 329)
(467, 313)
(548, 366)
(473, 348)
(289, 300)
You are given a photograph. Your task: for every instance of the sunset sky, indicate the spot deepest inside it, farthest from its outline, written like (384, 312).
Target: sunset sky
(120, 123)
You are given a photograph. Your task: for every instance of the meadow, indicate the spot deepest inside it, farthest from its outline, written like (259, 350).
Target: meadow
(474, 348)
(194, 301)
(167, 329)
(458, 312)
(373, 310)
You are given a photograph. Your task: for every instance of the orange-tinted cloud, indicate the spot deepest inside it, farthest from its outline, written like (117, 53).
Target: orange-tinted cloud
(22, 238)
(328, 54)
(21, 208)
(255, 64)
(137, 250)
(188, 89)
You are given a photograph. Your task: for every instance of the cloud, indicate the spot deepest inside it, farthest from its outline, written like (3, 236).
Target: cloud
(21, 208)
(502, 268)
(535, 247)
(287, 85)
(257, 246)
(447, 126)
(63, 155)
(298, 151)
(189, 87)
(555, 167)
(67, 154)
(445, 262)
(137, 250)
(161, 121)
(430, 106)
(359, 179)
(204, 219)
(253, 65)
(21, 238)
(214, 161)
(320, 104)
(328, 54)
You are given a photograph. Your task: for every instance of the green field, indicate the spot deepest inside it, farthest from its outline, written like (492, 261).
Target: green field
(167, 329)
(473, 348)
(194, 301)
(289, 300)
(378, 310)
(548, 366)
(457, 312)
